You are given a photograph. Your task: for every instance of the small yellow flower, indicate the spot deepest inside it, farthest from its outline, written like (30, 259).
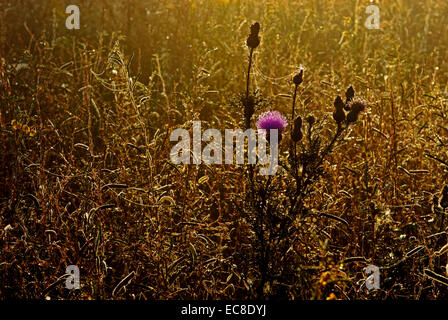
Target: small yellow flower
(332, 296)
(324, 278)
(33, 132)
(26, 129)
(348, 20)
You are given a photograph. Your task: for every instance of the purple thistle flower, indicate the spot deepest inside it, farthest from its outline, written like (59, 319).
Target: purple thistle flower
(272, 120)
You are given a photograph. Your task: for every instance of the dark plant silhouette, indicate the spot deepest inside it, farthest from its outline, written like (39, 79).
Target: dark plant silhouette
(274, 219)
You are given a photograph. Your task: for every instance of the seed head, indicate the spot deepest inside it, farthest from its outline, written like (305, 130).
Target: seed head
(358, 104)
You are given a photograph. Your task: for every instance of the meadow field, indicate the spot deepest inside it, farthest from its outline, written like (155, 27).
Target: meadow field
(86, 177)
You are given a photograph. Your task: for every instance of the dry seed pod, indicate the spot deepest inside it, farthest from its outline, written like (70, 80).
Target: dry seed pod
(356, 106)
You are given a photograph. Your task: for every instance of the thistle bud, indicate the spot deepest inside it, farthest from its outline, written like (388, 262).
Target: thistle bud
(338, 103)
(339, 116)
(349, 95)
(298, 78)
(253, 41)
(352, 116)
(355, 106)
(255, 28)
(296, 134)
(358, 104)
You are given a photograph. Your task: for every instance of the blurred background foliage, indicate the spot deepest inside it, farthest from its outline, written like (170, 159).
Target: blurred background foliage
(85, 119)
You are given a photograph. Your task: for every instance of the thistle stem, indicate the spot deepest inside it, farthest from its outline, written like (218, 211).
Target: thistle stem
(251, 169)
(248, 72)
(294, 102)
(293, 143)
